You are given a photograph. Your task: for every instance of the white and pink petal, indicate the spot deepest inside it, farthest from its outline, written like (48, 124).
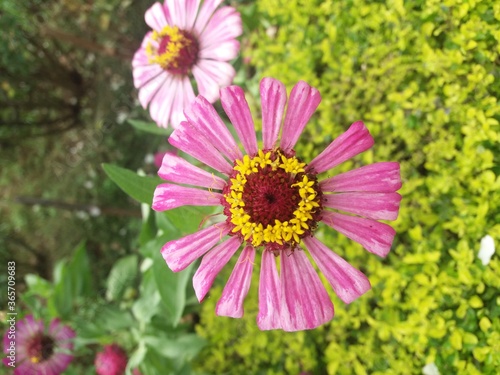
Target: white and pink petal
(202, 115)
(377, 206)
(236, 107)
(155, 17)
(186, 138)
(236, 289)
(211, 264)
(176, 169)
(206, 11)
(224, 25)
(382, 177)
(273, 99)
(182, 252)
(169, 196)
(347, 282)
(269, 316)
(303, 101)
(305, 304)
(373, 236)
(354, 141)
(211, 75)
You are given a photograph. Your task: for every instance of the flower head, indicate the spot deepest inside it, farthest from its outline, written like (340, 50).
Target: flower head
(272, 202)
(40, 349)
(187, 40)
(111, 361)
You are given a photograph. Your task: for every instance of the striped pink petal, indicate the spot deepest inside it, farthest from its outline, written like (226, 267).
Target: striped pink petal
(223, 51)
(150, 88)
(373, 236)
(202, 115)
(269, 293)
(236, 107)
(211, 75)
(169, 196)
(177, 11)
(383, 177)
(347, 282)
(236, 289)
(162, 103)
(183, 98)
(155, 17)
(305, 304)
(207, 9)
(182, 252)
(377, 206)
(186, 138)
(354, 141)
(211, 264)
(176, 169)
(225, 24)
(273, 99)
(303, 101)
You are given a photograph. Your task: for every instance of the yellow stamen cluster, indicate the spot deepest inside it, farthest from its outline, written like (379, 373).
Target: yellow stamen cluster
(168, 59)
(282, 231)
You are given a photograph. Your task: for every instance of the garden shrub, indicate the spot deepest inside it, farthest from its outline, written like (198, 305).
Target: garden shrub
(424, 77)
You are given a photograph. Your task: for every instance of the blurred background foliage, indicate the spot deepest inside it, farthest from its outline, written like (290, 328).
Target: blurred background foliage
(423, 75)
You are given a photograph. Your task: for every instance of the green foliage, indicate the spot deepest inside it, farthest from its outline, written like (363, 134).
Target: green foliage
(424, 78)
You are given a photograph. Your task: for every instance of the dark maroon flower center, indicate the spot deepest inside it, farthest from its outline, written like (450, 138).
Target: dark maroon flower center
(269, 196)
(40, 348)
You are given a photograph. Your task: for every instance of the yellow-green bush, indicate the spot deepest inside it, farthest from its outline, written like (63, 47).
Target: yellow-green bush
(424, 76)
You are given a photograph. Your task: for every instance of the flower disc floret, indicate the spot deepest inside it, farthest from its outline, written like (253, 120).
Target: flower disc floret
(271, 200)
(175, 50)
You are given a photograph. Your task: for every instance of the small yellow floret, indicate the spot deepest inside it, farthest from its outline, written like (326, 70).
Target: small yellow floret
(167, 59)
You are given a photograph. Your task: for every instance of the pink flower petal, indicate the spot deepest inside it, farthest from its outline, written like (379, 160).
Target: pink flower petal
(191, 11)
(373, 236)
(347, 282)
(236, 289)
(182, 252)
(305, 304)
(150, 88)
(224, 25)
(161, 105)
(183, 98)
(177, 12)
(202, 115)
(186, 138)
(303, 101)
(354, 141)
(273, 99)
(269, 316)
(177, 169)
(223, 51)
(377, 206)
(211, 75)
(168, 196)
(155, 17)
(236, 107)
(383, 177)
(211, 264)
(207, 9)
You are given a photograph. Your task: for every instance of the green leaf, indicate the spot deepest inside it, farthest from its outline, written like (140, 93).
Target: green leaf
(172, 287)
(147, 305)
(61, 302)
(183, 347)
(80, 273)
(141, 188)
(38, 285)
(121, 276)
(149, 127)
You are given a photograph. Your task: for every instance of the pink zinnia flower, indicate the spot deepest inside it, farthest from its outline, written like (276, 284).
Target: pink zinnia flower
(187, 40)
(111, 361)
(39, 349)
(273, 202)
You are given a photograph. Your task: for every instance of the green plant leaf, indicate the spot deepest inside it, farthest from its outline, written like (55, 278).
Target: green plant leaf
(121, 276)
(172, 287)
(183, 347)
(149, 127)
(141, 188)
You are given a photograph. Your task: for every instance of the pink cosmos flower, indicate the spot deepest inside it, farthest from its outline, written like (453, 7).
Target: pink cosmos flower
(273, 202)
(111, 361)
(39, 349)
(187, 40)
